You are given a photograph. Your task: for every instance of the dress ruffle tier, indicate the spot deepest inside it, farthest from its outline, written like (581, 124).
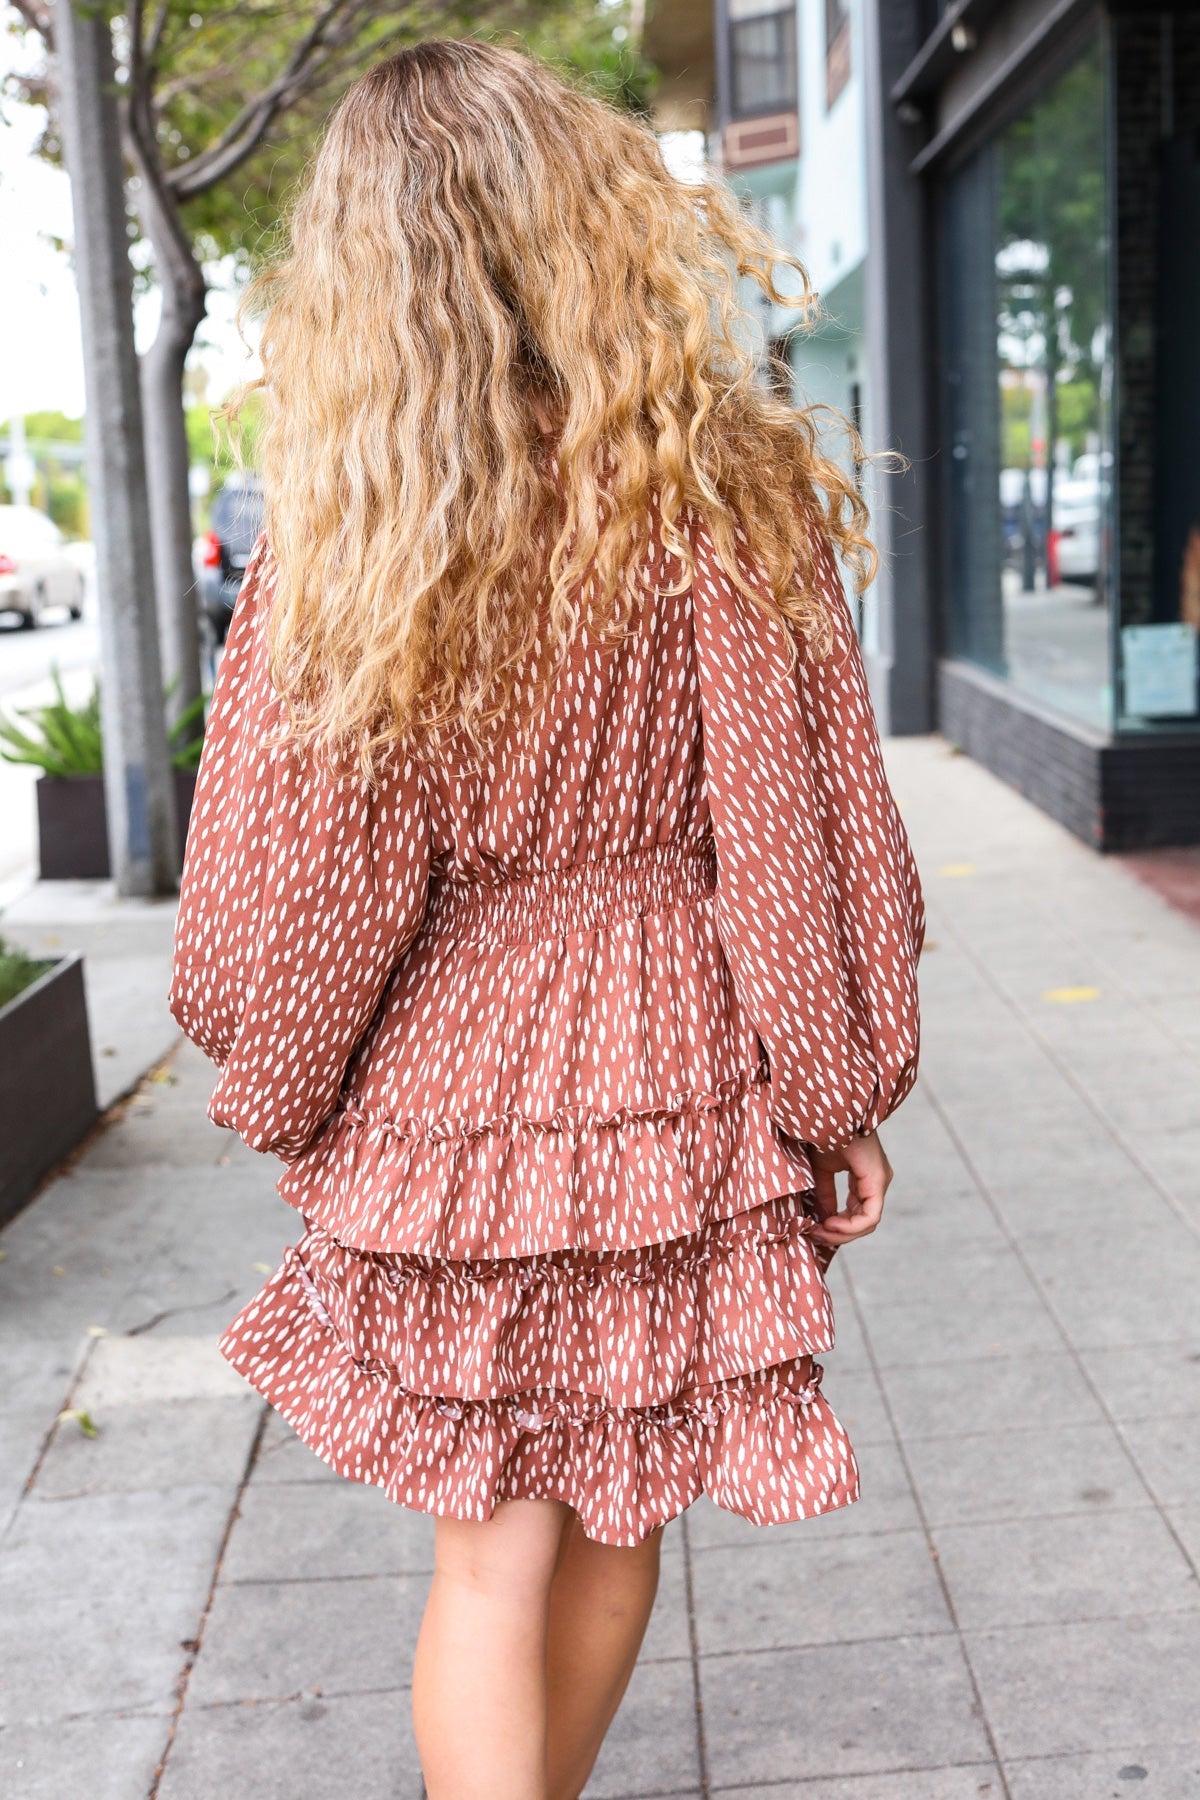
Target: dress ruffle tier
(614, 1300)
(446, 1385)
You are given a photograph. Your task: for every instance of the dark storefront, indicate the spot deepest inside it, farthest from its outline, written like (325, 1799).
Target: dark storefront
(1049, 159)
(1031, 335)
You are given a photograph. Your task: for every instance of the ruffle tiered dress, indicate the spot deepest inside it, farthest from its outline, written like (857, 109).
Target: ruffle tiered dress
(542, 1048)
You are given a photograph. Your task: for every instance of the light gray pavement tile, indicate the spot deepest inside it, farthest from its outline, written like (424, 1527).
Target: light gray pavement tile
(839, 1709)
(319, 1529)
(127, 1249)
(283, 1457)
(850, 1348)
(125, 999)
(1058, 1689)
(785, 1596)
(161, 1444)
(994, 1320)
(1148, 1381)
(967, 1068)
(979, 1267)
(969, 1781)
(133, 1371)
(922, 1218)
(169, 1412)
(916, 1235)
(1151, 1772)
(652, 1747)
(1082, 1204)
(96, 1595)
(1024, 1474)
(265, 1641)
(929, 1165)
(1130, 1286)
(1014, 1153)
(1038, 1110)
(668, 1636)
(102, 1758)
(1055, 1570)
(172, 1136)
(855, 1397)
(1146, 1108)
(1168, 1454)
(1174, 1159)
(885, 1503)
(35, 1376)
(318, 1748)
(1186, 1521)
(994, 1393)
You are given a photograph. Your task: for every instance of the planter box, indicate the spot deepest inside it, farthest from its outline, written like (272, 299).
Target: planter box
(73, 828)
(47, 1088)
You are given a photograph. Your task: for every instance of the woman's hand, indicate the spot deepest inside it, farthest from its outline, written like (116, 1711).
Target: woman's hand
(870, 1173)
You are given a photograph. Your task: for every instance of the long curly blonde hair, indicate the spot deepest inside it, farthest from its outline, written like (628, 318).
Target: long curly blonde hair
(478, 248)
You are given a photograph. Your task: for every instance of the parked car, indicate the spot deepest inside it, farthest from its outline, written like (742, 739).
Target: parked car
(37, 569)
(237, 516)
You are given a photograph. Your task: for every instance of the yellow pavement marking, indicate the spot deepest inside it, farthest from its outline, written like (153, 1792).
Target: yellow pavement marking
(956, 869)
(1071, 996)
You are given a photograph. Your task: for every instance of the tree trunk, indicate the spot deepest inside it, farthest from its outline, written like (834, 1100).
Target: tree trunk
(184, 295)
(167, 463)
(138, 790)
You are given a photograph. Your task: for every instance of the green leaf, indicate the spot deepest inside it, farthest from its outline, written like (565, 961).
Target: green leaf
(82, 1419)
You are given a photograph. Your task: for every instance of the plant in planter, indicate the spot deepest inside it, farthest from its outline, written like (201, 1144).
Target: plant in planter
(47, 1084)
(18, 970)
(66, 743)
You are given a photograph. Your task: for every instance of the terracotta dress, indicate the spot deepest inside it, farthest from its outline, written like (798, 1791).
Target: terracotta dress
(541, 1049)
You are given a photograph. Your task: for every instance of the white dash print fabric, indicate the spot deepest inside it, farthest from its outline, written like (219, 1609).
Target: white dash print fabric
(541, 1048)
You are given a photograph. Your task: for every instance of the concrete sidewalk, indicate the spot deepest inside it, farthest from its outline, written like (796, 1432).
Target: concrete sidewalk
(191, 1608)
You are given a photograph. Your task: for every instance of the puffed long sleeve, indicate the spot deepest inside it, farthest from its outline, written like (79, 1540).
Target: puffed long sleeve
(819, 905)
(299, 895)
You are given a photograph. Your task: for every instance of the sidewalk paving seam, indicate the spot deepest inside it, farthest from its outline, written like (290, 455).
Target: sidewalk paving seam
(324, 1693)
(74, 1380)
(1018, 1248)
(1110, 1128)
(195, 1644)
(931, 1546)
(694, 1658)
(872, 1774)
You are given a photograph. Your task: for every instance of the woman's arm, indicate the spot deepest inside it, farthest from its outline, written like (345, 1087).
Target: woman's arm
(299, 896)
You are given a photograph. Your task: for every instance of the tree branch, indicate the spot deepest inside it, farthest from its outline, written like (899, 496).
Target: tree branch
(246, 131)
(154, 41)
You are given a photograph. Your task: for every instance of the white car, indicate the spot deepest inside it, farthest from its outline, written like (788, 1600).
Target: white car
(37, 569)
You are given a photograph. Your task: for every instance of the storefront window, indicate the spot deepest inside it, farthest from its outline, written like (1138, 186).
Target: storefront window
(1029, 382)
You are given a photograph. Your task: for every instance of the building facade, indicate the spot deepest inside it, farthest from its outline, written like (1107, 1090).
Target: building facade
(999, 202)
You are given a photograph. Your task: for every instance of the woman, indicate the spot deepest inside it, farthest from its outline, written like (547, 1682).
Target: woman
(545, 907)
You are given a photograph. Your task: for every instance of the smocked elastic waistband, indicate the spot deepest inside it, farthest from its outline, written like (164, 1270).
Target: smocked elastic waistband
(521, 909)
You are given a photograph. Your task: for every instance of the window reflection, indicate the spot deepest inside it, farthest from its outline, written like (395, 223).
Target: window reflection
(1030, 398)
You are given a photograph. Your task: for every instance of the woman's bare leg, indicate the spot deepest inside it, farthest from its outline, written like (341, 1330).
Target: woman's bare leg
(479, 1676)
(600, 1604)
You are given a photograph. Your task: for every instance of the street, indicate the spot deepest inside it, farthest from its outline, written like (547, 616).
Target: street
(25, 680)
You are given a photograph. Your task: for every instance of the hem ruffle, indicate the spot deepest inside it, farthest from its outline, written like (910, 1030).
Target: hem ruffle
(515, 1187)
(635, 1328)
(765, 1445)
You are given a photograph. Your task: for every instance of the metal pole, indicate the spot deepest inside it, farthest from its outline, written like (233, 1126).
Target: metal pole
(901, 665)
(138, 787)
